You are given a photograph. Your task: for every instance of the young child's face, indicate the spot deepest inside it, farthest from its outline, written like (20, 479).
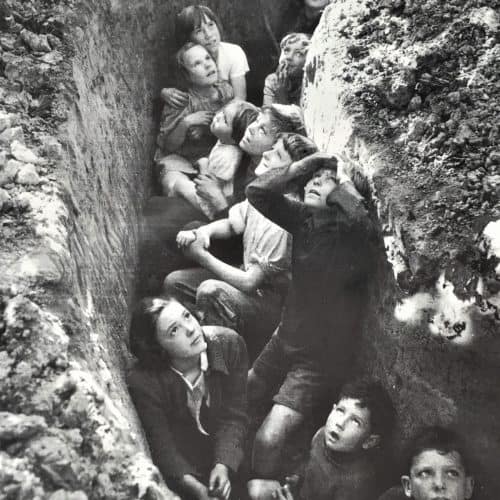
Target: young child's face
(275, 157)
(222, 123)
(292, 58)
(178, 332)
(200, 66)
(322, 183)
(435, 475)
(207, 34)
(348, 427)
(259, 135)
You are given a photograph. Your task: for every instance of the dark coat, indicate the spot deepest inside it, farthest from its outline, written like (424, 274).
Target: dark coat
(177, 446)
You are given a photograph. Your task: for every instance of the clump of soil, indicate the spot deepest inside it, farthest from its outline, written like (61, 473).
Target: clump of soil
(424, 76)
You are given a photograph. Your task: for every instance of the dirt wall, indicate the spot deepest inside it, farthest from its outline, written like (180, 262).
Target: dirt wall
(413, 98)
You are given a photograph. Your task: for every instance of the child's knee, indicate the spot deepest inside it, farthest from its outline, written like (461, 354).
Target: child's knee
(260, 489)
(209, 291)
(269, 437)
(168, 182)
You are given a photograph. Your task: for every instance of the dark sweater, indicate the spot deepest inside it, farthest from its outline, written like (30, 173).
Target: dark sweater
(330, 476)
(177, 446)
(332, 261)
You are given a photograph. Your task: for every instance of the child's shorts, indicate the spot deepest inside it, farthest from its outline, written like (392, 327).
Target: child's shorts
(300, 383)
(175, 163)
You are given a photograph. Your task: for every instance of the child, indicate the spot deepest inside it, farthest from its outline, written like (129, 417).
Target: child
(438, 468)
(178, 150)
(189, 389)
(303, 16)
(198, 24)
(313, 348)
(285, 85)
(249, 299)
(228, 125)
(345, 460)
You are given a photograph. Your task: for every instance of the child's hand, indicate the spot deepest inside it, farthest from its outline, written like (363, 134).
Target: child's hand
(283, 493)
(208, 188)
(308, 164)
(219, 485)
(203, 235)
(185, 238)
(195, 133)
(196, 251)
(199, 118)
(175, 97)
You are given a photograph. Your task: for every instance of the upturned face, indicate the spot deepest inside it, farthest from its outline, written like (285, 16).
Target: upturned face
(347, 428)
(179, 333)
(435, 475)
(275, 157)
(200, 66)
(292, 58)
(322, 183)
(222, 123)
(207, 34)
(259, 136)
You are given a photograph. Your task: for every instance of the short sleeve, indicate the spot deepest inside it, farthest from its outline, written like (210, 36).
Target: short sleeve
(232, 61)
(224, 160)
(237, 216)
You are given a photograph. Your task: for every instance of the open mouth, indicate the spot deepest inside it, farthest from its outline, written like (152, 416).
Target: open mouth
(333, 435)
(196, 340)
(313, 191)
(211, 73)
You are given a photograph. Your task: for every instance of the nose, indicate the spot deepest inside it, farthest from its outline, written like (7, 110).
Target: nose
(439, 481)
(340, 423)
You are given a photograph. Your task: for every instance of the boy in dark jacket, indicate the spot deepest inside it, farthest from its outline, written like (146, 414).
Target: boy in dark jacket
(311, 352)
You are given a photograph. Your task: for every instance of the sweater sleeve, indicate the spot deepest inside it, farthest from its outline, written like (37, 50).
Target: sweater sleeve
(267, 194)
(232, 420)
(146, 395)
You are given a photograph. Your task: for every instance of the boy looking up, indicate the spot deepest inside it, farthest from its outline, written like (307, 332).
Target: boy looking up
(344, 462)
(311, 351)
(438, 468)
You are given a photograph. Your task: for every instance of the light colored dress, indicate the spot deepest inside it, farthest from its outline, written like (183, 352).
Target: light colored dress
(231, 61)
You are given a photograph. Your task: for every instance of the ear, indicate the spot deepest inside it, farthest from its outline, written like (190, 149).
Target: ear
(371, 441)
(469, 487)
(405, 481)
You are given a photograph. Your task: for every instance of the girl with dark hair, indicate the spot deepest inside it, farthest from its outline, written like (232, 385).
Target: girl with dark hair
(302, 16)
(189, 389)
(199, 24)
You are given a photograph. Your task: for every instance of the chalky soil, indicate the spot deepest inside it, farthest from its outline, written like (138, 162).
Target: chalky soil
(412, 94)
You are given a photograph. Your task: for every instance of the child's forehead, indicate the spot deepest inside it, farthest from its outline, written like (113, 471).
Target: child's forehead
(435, 457)
(327, 173)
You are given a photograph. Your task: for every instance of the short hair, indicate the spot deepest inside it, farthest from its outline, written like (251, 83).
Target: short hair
(296, 145)
(441, 439)
(189, 19)
(303, 38)
(246, 114)
(286, 118)
(179, 58)
(373, 396)
(142, 334)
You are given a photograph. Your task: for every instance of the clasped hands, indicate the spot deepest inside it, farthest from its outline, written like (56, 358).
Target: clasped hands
(194, 243)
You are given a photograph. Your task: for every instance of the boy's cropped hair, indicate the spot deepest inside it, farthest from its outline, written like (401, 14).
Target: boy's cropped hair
(296, 145)
(189, 19)
(373, 396)
(245, 115)
(441, 439)
(286, 117)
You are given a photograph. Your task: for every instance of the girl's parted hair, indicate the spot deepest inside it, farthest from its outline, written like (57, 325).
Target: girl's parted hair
(189, 19)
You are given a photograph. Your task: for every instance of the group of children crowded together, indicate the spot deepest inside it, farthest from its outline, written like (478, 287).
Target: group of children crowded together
(250, 345)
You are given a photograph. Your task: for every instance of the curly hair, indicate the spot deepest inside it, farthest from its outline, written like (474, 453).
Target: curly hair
(286, 118)
(372, 395)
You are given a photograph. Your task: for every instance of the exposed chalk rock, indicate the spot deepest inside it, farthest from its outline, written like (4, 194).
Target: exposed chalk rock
(12, 134)
(19, 426)
(10, 171)
(38, 43)
(28, 175)
(20, 152)
(4, 198)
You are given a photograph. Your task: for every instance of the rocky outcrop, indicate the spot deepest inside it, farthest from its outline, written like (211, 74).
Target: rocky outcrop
(413, 97)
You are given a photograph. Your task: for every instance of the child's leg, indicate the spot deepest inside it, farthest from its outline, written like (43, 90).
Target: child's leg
(178, 183)
(262, 489)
